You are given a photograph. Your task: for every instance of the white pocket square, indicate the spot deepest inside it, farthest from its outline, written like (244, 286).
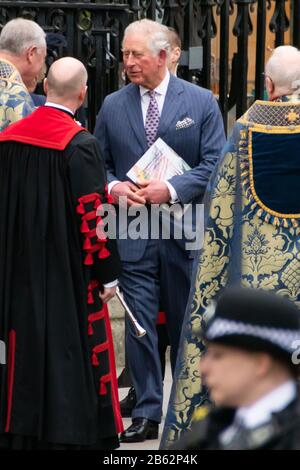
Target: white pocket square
(186, 122)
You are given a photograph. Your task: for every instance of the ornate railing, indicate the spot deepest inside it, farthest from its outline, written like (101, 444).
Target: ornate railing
(94, 31)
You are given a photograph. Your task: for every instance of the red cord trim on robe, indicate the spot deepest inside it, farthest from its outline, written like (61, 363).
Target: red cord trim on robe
(109, 346)
(95, 247)
(109, 198)
(92, 318)
(93, 284)
(113, 373)
(89, 198)
(91, 215)
(98, 247)
(161, 318)
(97, 350)
(10, 375)
(86, 216)
(102, 386)
(91, 234)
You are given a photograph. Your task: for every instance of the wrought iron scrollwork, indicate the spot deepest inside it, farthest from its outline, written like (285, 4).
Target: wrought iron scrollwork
(88, 48)
(160, 6)
(261, 22)
(56, 20)
(84, 20)
(279, 22)
(4, 16)
(296, 24)
(172, 15)
(242, 27)
(207, 31)
(148, 9)
(28, 13)
(94, 30)
(239, 77)
(224, 9)
(221, 3)
(151, 9)
(207, 27)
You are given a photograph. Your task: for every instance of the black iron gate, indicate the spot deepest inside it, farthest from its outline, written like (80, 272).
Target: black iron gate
(94, 30)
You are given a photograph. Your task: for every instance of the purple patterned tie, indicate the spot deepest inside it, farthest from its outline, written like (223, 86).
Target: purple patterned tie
(152, 119)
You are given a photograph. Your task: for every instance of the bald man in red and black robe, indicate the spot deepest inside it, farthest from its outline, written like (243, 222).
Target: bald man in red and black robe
(58, 384)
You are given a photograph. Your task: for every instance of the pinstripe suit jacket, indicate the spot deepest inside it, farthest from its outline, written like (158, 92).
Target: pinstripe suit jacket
(120, 131)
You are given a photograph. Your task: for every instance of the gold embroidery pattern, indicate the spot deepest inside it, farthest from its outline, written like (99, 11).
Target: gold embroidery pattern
(270, 113)
(9, 72)
(292, 116)
(270, 260)
(15, 101)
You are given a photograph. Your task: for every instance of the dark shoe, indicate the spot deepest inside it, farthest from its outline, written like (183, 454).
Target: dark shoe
(128, 403)
(140, 430)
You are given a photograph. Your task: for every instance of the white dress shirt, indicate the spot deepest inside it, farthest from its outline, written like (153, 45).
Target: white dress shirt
(64, 108)
(58, 106)
(160, 94)
(261, 411)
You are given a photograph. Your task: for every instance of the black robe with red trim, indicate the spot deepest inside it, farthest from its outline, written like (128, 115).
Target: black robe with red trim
(58, 384)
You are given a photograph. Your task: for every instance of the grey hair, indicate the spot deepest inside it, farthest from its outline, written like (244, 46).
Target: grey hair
(19, 34)
(157, 35)
(283, 68)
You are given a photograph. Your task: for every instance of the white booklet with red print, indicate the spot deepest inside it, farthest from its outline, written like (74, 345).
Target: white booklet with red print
(159, 162)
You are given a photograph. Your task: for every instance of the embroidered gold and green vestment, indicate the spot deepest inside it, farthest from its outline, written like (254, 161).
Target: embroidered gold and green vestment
(15, 100)
(261, 164)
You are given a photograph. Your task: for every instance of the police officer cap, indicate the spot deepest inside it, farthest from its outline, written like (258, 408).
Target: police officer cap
(255, 320)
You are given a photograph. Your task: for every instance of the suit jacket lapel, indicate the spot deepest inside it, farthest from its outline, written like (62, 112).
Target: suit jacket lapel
(135, 116)
(173, 102)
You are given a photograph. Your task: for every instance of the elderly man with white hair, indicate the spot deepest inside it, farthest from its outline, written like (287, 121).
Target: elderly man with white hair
(252, 233)
(22, 58)
(282, 77)
(156, 271)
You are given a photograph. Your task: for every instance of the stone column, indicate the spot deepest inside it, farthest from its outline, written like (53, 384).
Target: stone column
(116, 315)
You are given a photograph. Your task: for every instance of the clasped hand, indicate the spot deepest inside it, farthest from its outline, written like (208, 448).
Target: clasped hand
(153, 192)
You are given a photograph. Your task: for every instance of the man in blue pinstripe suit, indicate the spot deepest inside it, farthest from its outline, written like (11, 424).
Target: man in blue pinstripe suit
(155, 104)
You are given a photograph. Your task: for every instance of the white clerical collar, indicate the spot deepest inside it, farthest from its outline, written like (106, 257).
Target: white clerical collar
(59, 106)
(261, 411)
(161, 89)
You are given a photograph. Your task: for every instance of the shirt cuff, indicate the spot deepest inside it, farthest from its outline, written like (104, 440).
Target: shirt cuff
(111, 284)
(111, 185)
(174, 198)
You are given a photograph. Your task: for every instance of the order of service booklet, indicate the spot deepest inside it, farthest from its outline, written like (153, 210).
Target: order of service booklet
(159, 162)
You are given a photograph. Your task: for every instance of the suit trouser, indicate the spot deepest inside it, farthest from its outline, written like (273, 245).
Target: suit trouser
(161, 277)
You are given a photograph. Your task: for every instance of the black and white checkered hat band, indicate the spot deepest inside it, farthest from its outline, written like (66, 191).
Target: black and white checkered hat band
(283, 338)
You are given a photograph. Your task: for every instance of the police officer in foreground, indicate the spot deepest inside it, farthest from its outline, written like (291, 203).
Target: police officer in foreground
(251, 370)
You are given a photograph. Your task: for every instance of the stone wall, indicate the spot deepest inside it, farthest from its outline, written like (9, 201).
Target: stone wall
(116, 314)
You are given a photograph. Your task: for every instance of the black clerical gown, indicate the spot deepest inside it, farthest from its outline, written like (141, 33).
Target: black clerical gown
(57, 373)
